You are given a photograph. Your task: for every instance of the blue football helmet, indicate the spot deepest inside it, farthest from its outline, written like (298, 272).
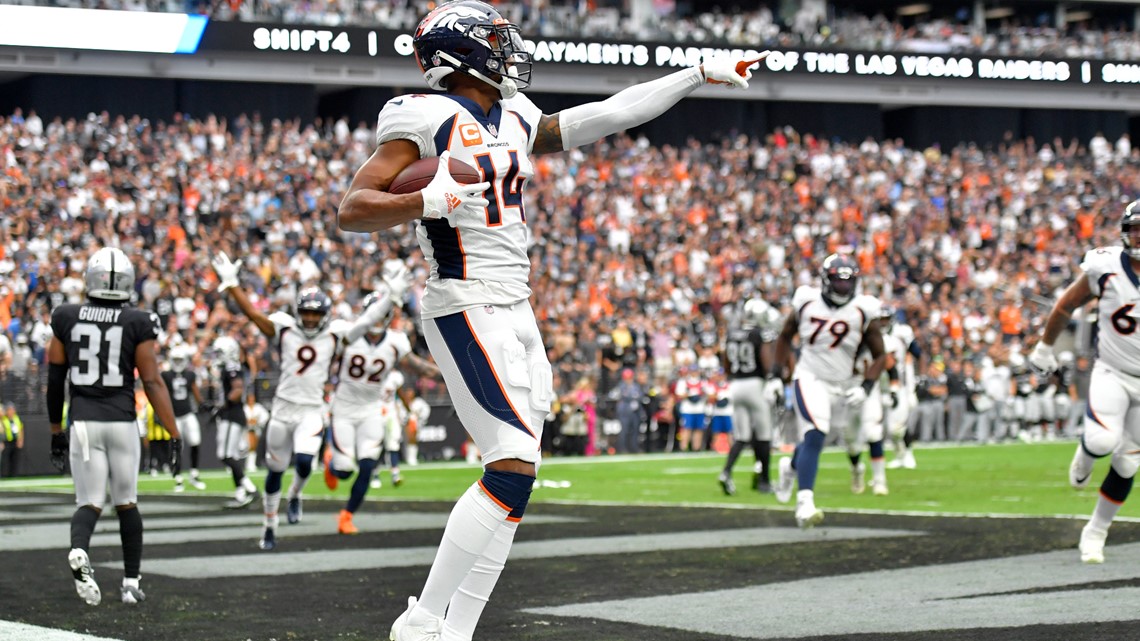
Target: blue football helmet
(473, 38)
(313, 300)
(840, 276)
(1130, 229)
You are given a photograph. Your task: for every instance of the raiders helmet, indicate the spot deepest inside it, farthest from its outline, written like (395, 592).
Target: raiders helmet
(886, 319)
(227, 350)
(110, 275)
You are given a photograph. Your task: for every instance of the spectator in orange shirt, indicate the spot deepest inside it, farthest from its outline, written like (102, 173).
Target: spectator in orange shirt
(1011, 322)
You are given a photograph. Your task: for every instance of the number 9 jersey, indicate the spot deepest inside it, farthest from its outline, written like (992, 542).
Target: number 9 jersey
(830, 336)
(483, 259)
(1117, 287)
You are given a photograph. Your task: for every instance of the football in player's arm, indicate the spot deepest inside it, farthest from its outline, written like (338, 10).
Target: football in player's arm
(475, 240)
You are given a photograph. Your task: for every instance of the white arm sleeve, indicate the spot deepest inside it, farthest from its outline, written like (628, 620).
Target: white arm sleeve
(630, 107)
(370, 317)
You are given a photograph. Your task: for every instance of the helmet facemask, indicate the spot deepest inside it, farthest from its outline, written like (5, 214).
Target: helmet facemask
(483, 46)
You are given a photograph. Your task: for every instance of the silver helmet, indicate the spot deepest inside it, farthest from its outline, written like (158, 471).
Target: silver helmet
(110, 275)
(227, 349)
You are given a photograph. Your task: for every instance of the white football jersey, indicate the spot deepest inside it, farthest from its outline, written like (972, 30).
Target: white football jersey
(830, 336)
(1117, 286)
(365, 367)
(483, 260)
(305, 362)
(903, 336)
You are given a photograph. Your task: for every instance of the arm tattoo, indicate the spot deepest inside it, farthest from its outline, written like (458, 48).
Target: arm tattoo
(422, 366)
(548, 139)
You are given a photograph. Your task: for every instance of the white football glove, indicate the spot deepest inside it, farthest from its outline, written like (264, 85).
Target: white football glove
(226, 270)
(398, 280)
(447, 199)
(723, 70)
(1042, 358)
(774, 392)
(856, 396)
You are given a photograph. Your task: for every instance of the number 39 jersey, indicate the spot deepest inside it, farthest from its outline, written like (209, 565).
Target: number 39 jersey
(483, 260)
(364, 366)
(100, 342)
(1112, 280)
(830, 336)
(742, 347)
(305, 362)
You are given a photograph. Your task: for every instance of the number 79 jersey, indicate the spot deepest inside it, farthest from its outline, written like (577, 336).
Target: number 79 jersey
(483, 260)
(830, 336)
(1117, 287)
(364, 367)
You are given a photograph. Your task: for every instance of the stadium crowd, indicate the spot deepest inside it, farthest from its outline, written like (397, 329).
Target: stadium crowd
(641, 254)
(1032, 33)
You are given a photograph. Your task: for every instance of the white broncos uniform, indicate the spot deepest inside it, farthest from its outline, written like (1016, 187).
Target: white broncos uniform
(363, 412)
(866, 426)
(477, 317)
(829, 339)
(897, 343)
(296, 417)
(1113, 414)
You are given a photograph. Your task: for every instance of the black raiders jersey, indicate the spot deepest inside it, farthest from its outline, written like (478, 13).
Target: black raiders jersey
(1023, 377)
(100, 342)
(1064, 377)
(179, 384)
(742, 349)
(233, 411)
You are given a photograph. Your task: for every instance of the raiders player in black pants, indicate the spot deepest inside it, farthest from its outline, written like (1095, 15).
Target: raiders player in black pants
(748, 353)
(99, 344)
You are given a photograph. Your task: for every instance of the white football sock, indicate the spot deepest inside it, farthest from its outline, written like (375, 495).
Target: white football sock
(470, 529)
(271, 503)
(297, 486)
(1104, 513)
(469, 600)
(879, 469)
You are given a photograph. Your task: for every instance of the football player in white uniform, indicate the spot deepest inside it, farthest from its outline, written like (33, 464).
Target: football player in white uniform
(904, 400)
(868, 424)
(832, 323)
(477, 318)
(364, 415)
(1112, 417)
(306, 346)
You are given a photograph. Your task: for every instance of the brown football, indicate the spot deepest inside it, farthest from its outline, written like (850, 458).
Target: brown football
(417, 175)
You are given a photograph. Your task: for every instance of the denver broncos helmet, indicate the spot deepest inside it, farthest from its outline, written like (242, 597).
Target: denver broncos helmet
(1130, 229)
(839, 275)
(313, 300)
(471, 37)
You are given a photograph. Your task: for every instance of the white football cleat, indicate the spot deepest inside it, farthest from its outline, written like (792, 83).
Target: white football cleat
(197, 483)
(403, 631)
(908, 460)
(132, 594)
(85, 585)
(1092, 544)
(1080, 470)
(785, 481)
(879, 488)
(858, 480)
(896, 462)
(808, 515)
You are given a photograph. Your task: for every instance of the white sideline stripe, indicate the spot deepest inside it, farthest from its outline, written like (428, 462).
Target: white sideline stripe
(209, 567)
(988, 593)
(12, 631)
(235, 527)
(63, 511)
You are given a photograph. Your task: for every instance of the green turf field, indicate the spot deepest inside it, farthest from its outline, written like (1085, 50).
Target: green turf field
(1011, 479)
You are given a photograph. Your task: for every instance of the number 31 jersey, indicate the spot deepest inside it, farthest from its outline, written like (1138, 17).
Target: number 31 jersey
(100, 342)
(364, 367)
(483, 260)
(830, 336)
(1116, 285)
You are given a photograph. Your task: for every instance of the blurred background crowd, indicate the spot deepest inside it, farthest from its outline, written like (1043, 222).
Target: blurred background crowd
(1108, 31)
(641, 255)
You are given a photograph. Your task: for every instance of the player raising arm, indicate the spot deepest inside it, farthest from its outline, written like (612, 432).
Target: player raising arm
(99, 345)
(307, 344)
(478, 322)
(1112, 420)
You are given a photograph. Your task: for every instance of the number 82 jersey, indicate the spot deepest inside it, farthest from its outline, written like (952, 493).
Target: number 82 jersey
(830, 336)
(483, 259)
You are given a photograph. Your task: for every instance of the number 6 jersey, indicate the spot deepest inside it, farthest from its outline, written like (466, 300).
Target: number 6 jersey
(483, 260)
(830, 336)
(1116, 285)
(100, 342)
